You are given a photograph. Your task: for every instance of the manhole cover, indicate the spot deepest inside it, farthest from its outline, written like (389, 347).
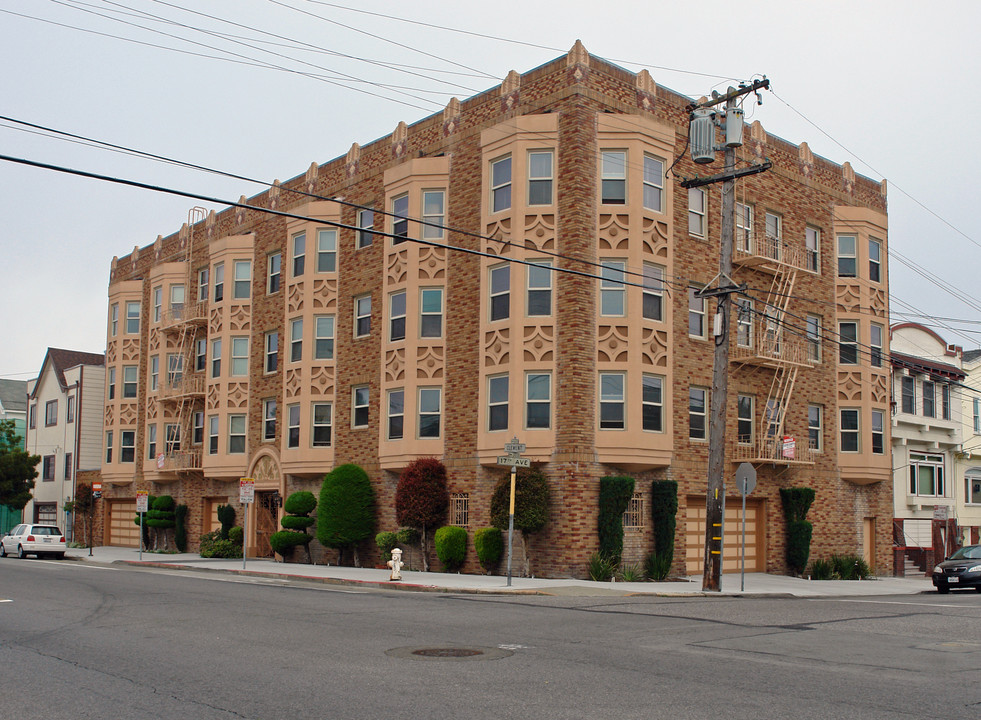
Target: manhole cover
(460, 653)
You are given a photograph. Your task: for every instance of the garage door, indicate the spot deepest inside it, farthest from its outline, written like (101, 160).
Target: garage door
(123, 532)
(732, 540)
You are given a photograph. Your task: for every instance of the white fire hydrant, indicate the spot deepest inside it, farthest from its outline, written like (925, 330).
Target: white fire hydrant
(396, 564)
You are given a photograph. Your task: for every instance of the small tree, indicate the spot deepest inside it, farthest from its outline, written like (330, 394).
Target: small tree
(614, 498)
(796, 502)
(226, 516)
(346, 514)
(530, 506)
(161, 519)
(421, 499)
(298, 507)
(84, 507)
(18, 468)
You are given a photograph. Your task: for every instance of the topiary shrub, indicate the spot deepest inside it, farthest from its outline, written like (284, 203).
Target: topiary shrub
(614, 498)
(346, 513)
(422, 499)
(302, 503)
(180, 528)
(530, 506)
(386, 542)
(298, 504)
(284, 541)
(236, 534)
(451, 546)
(226, 516)
(489, 544)
(664, 512)
(796, 502)
(161, 518)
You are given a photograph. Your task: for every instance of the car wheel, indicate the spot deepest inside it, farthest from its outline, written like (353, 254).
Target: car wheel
(3, 550)
(20, 552)
(58, 556)
(943, 588)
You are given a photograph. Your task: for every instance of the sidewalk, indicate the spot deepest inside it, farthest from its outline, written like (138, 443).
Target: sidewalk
(756, 584)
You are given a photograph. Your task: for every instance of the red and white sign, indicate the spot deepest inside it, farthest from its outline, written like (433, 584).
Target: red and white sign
(142, 501)
(246, 491)
(789, 447)
(160, 461)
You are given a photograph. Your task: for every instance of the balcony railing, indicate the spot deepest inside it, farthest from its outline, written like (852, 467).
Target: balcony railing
(775, 451)
(180, 461)
(771, 346)
(183, 386)
(178, 314)
(767, 253)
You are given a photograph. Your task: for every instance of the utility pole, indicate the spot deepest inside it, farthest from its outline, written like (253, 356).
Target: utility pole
(702, 133)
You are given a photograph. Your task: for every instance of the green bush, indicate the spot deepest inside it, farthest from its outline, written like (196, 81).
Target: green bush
(346, 513)
(386, 541)
(226, 516)
(614, 498)
(213, 546)
(664, 511)
(657, 566)
(601, 568)
(180, 527)
(297, 522)
(531, 499)
(284, 541)
(236, 534)
(796, 502)
(489, 544)
(451, 546)
(822, 570)
(408, 536)
(849, 567)
(302, 502)
(798, 545)
(631, 573)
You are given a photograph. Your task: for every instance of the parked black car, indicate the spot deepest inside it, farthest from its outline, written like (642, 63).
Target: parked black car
(962, 569)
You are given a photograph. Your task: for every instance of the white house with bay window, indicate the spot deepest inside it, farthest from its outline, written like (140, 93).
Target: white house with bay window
(927, 437)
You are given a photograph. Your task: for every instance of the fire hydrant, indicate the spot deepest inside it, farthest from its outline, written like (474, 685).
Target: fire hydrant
(396, 564)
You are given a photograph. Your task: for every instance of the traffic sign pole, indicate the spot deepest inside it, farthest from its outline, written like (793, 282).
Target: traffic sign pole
(514, 472)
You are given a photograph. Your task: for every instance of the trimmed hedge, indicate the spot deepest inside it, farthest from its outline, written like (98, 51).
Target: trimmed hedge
(451, 546)
(180, 527)
(302, 502)
(614, 498)
(346, 513)
(664, 512)
(284, 541)
(489, 544)
(796, 502)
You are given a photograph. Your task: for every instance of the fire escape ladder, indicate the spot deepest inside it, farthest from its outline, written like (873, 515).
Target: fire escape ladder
(785, 372)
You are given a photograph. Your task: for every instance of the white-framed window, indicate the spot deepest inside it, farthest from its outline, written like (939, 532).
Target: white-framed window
(240, 357)
(154, 372)
(875, 342)
(366, 223)
(203, 284)
(433, 212)
(213, 434)
(236, 434)
(70, 409)
(326, 251)
(396, 321)
(201, 354)
(111, 392)
(127, 446)
(653, 183)
(175, 370)
(945, 401)
(460, 509)
(538, 400)
(744, 322)
(696, 212)
(274, 272)
(243, 279)
(172, 438)
(929, 391)
(745, 420)
(114, 319)
(299, 254)
(157, 303)
(108, 446)
(32, 410)
(269, 419)
(540, 288)
(612, 290)
(219, 284)
(926, 475)
(815, 429)
(773, 225)
(652, 400)
(272, 352)
(653, 292)
(875, 260)
(322, 424)
(972, 487)
(847, 261)
(293, 425)
(296, 340)
(51, 406)
(540, 176)
(177, 301)
(151, 442)
(849, 430)
(197, 428)
(697, 413)
(744, 227)
(216, 358)
(812, 248)
(878, 432)
(696, 313)
(132, 318)
(613, 401)
(500, 172)
(633, 516)
(812, 324)
(907, 394)
(614, 177)
(977, 415)
(431, 312)
(130, 374)
(400, 218)
(396, 414)
(362, 316)
(848, 343)
(359, 406)
(498, 387)
(430, 401)
(323, 337)
(500, 292)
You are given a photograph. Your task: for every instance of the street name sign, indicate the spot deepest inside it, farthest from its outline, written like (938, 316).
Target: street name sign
(513, 461)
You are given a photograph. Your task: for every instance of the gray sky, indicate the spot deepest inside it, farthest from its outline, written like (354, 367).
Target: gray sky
(892, 81)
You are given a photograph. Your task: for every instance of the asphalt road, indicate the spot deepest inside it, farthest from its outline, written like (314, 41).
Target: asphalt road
(84, 641)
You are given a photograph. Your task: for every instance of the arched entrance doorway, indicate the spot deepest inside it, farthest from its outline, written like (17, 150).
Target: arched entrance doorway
(264, 513)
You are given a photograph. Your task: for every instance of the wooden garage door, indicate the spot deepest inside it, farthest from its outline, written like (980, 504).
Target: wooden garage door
(732, 540)
(123, 532)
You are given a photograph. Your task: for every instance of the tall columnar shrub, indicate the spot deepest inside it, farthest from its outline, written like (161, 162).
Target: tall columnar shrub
(664, 512)
(530, 506)
(160, 518)
(298, 507)
(614, 498)
(226, 516)
(451, 546)
(346, 513)
(796, 502)
(489, 546)
(180, 528)
(422, 500)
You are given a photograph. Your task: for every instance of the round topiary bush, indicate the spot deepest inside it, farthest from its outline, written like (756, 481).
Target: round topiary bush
(302, 502)
(236, 534)
(284, 541)
(346, 513)
(451, 546)
(489, 544)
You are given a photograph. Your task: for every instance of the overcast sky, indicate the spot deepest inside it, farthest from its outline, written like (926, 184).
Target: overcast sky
(893, 82)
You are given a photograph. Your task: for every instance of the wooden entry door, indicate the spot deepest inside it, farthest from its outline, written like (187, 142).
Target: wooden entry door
(266, 512)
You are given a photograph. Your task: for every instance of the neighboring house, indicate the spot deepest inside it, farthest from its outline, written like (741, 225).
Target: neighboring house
(927, 436)
(13, 406)
(64, 427)
(271, 347)
(967, 466)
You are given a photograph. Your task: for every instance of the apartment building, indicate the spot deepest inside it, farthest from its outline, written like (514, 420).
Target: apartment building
(523, 264)
(64, 427)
